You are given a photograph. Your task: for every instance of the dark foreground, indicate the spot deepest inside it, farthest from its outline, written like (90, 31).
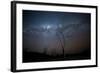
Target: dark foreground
(41, 57)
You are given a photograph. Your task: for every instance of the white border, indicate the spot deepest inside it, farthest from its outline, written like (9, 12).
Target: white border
(38, 65)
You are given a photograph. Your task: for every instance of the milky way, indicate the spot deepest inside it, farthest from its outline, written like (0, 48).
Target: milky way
(55, 32)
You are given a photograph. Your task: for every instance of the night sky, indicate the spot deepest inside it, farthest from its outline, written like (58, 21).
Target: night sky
(51, 32)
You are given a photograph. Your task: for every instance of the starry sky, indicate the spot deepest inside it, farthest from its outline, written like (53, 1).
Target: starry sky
(49, 31)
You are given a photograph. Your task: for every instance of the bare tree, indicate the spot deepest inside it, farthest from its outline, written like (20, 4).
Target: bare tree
(60, 32)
